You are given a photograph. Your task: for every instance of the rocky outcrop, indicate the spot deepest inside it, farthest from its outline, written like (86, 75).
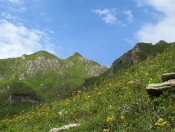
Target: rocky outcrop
(23, 57)
(1, 75)
(22, 77)
(139, 53)
(22, 98)
(168, 85)
(88, 68)
(131, 58)
(41, 64)
(65, 127)
(76, 61)
(168, 76)
(93, 70)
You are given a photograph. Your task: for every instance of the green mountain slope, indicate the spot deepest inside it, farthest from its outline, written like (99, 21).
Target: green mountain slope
(43, 71)
(139, 53)
(118, 103)
(48, 77)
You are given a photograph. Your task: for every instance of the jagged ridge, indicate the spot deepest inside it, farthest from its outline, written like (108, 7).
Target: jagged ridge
(139, 53)
(49, 77)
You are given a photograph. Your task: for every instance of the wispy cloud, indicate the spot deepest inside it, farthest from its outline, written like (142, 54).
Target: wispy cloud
(108, 15)
(15, 1)
(46, 17)
(22, 9)
(164, 29)
(8, 16)
(14, 6)
(17, 39)
(115, 17)
(129, 15)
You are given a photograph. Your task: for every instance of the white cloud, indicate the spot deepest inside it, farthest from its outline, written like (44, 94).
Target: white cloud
(22, 9)
(8, 16)
(164, 29)
(16, 39)
(108, 15)
(164, 6)
(17, 6)
(15, 1)
(129, 14)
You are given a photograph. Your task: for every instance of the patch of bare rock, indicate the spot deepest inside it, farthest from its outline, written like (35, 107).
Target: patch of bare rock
(168, 85)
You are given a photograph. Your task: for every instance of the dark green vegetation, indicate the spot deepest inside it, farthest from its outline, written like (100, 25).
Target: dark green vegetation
(117, 103)
(10, 110)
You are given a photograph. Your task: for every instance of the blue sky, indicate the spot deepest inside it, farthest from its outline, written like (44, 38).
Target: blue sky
(100, 30)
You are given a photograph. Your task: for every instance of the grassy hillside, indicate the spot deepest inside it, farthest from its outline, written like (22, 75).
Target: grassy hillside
(118, 103)
(48, 74)
(43, 75)
(139, 53)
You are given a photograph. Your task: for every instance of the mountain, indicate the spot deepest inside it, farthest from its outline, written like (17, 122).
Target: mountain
(47, 74)
(119, 102)
(43, 77)
(139, 53)
(114, 104)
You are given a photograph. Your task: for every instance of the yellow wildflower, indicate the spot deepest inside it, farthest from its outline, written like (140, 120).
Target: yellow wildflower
(36, 126)
(99, 93)
(115, 85)
(88, 97)
(110, 107)
(122, 117)
(142, 68)
(131, 82)
(96, 88)
(105, 130)
(161, 122)
(125, 88)
(67, 101)
(109, 119)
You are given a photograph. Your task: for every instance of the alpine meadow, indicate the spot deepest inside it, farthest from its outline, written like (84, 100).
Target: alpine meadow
(87, 66)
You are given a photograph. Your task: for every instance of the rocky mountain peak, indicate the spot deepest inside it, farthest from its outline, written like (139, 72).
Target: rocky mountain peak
(49, 74)
(76, 54)
(142, 44)
(140, 52)
(161, 42)
(44, 54)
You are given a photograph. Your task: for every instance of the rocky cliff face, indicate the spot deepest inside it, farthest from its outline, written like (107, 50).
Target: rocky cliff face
(41, 64)
(140, 52)
(88, 68)
(30, 65)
